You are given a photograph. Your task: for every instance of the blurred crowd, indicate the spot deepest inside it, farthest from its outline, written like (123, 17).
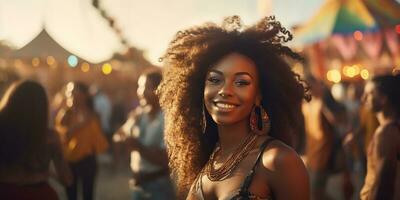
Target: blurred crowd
(340, 122)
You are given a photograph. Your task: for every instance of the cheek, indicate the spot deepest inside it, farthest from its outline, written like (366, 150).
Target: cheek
(209, 94)
(247, 96)
(248, 99)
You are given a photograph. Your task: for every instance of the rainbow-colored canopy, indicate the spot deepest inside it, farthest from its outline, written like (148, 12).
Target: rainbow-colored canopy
(347, 16)
(386, 12)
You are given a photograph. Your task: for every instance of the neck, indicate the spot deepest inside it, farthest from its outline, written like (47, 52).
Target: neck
(230, 136)
(386, 116)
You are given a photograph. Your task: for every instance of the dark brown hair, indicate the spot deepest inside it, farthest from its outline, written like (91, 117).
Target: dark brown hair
(389, 85)
(188, 58)
(23, 125)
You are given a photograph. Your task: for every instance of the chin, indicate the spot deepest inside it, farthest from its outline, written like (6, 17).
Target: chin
(226, 121)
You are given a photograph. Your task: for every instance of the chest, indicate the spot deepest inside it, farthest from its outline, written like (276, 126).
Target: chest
(226, 189)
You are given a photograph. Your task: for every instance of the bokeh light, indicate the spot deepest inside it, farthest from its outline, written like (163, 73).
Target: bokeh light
(72, 61)
(334, 76)
(107, 68)
(85, 67)
(351, 71)
(364, 74)
(36, 62)
(50, 60)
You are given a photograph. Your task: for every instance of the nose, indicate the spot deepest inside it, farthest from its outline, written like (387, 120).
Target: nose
(226, 90)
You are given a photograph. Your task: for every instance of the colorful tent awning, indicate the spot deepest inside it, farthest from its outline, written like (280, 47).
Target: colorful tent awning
(386, 12)
(346, 17)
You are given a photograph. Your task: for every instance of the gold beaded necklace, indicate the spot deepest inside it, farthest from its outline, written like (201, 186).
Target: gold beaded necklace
(232, 162)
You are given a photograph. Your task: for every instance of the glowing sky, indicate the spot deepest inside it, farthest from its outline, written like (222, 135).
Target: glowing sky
(147, 24)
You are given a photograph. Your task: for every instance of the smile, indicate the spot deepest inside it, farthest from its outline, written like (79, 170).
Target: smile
(222, 106)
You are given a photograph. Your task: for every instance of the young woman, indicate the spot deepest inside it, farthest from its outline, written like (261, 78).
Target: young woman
(27, 145)
(233, 108)
(81, 137)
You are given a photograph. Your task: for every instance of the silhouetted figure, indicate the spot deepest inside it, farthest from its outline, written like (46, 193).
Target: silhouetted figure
(382, 96)
(27, 145)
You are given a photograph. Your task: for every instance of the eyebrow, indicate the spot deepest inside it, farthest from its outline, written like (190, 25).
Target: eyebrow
(236, 74)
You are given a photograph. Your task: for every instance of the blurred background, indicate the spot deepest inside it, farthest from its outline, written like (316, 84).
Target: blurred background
(106, 44)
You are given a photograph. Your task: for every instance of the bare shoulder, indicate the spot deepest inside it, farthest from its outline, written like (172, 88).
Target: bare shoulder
(387, 132)
(286, 173)
(387, 138)
(277, 156)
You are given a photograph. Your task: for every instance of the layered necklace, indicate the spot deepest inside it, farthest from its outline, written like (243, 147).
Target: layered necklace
(233, 160)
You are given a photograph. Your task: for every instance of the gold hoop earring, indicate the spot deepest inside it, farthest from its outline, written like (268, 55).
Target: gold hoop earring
(259, 121)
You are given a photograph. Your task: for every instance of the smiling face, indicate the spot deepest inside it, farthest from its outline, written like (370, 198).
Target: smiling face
(231, 89)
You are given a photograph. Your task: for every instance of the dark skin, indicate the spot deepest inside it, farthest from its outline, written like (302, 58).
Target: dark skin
(231, 90)
(149, 103)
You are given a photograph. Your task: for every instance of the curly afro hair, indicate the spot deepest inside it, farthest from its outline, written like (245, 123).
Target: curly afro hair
(188, 58)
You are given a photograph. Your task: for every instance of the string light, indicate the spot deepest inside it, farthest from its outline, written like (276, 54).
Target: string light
(50, 60)
(35, 62)
(85, 67)
(72, 61)
(351, 71)
(107, 68)
(364, 74)
(334, 76)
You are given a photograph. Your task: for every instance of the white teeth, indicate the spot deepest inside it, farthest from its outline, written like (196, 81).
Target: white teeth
(224, 105)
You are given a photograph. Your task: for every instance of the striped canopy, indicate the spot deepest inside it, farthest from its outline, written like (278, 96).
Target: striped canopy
(347, 16)
(386, 12)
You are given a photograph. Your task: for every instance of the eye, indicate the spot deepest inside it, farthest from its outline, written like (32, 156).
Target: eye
(242, 82)
(213, 80)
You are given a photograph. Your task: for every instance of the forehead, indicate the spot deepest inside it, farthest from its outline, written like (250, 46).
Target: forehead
(234, 63)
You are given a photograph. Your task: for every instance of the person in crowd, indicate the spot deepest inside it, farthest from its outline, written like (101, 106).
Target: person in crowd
(362, 125)
(325, 126)
(27, 145)
(232, 106)
(143, 135)
(382, 96)
(81, 137)
(8, 77)
(102, 106)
